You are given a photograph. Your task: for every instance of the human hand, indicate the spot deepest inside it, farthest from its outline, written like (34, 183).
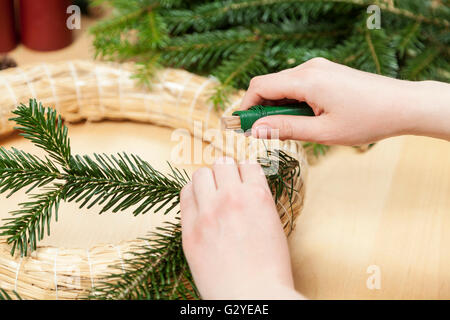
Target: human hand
(232, 235)
(352, 107)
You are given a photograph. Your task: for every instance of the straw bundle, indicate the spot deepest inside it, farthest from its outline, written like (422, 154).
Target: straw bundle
(93, 91)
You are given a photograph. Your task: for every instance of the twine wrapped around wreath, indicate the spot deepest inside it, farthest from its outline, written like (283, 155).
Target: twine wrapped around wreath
(94, 91)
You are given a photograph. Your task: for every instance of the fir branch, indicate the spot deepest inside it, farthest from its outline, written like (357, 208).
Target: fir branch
(156, 270)
(408, 39)
(114, 182)
(118, 183)
(241, 66)
(368, 50)
(204, 36)
(146, 68)
(45, 129)
(210, 15)
(29, 223)
(424, 64)
(211, 47)
(238, 70)
(414, 15)
(373, 52)
(19, 169)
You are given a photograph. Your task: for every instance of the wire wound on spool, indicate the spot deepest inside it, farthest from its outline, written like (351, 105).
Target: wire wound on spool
(250, 116)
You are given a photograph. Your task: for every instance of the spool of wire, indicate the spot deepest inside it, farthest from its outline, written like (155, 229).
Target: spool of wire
(250, 116)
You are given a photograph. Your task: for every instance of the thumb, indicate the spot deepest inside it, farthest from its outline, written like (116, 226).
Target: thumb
(290, 127)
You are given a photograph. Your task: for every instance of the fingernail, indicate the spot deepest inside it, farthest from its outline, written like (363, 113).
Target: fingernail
(261, 131)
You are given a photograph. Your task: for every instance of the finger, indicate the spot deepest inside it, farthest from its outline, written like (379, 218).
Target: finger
(226, 172)
(188, 207)
(204, 187)
(281, 102)
(292, 127)
(275, 86)
(252, 173)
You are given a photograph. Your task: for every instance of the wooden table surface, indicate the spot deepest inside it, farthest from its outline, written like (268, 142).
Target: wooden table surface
(376, 225)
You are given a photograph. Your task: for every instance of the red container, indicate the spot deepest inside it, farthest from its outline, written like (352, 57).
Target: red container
(8, 38)
(43, 24)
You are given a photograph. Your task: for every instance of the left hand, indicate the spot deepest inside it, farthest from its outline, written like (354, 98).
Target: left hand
(232, 235)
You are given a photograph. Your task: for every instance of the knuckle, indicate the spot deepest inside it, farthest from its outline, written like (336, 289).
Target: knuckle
(262, 193)
(191, 240)
(317, 62)
(255, 81)
(311, 75)
(200, 172)
(205, 225)
(326, 137)
(286, 129)
(184, 191)
(208, 221)
(232, 199)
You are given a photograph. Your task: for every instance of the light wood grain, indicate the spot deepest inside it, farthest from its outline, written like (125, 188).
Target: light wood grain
(388, 207)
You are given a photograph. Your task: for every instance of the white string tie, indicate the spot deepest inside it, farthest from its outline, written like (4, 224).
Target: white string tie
(119, 253)
(120, 86)
(55, 275)
(197, 95)
(90, 268)
(10, 90)
(52, 86)
(27, 81)
(99, 90)
(17, 274)
(73, 72)
(4, 110)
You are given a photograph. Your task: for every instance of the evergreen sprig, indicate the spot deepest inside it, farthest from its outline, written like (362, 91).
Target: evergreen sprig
(237, 40)
(115, 183)
(44, 128)
(157, 270)
(5, 296)
(19, 169)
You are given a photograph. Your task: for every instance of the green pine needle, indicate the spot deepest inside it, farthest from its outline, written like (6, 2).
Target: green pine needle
(44, 128)
(5, 296)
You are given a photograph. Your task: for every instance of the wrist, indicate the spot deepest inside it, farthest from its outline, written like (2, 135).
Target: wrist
(270, 293)
(425, 109)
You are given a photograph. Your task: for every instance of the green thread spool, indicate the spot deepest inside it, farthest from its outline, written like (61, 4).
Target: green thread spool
(250, 116)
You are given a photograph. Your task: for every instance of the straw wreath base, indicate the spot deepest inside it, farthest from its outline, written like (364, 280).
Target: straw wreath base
(93, 91)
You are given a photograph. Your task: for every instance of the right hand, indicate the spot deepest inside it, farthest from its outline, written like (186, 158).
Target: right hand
(352, 107)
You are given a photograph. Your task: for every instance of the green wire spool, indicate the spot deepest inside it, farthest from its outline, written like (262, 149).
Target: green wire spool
(250, 116)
